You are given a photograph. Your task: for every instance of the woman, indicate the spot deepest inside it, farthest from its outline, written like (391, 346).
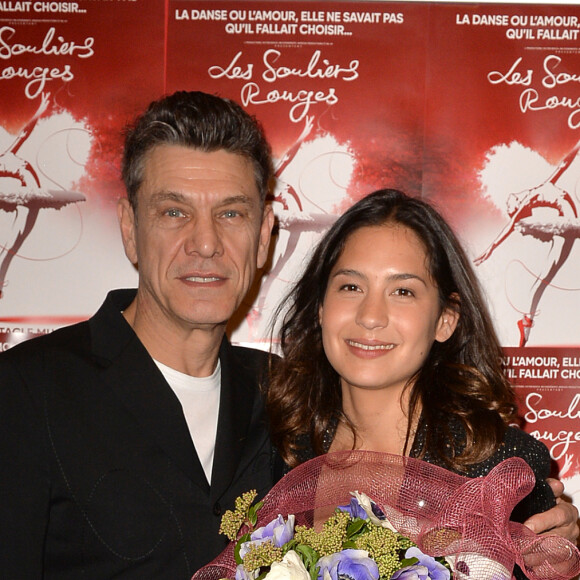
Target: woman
(388, 346)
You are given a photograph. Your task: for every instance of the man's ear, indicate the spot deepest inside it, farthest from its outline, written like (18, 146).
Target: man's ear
(265, 235)
(448, 320)
(127, 223)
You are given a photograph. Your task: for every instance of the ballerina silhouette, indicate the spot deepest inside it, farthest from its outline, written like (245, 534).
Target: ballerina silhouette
(561, 232)
(26, 198)
(294, 223)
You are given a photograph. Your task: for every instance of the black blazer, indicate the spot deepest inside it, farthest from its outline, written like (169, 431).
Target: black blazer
(100, 478)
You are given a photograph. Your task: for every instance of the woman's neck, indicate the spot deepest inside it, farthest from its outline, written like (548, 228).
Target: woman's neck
(380, 420)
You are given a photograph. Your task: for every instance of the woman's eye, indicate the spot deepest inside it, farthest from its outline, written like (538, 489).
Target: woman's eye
(349, 287)
(404, 292)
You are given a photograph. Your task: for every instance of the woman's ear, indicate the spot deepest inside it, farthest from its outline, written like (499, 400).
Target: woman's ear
(448, 320)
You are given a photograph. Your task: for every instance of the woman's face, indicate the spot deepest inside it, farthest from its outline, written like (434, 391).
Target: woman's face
(381, 313)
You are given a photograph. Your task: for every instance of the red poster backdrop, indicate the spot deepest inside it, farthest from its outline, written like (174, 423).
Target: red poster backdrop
(464, 104)
(547, 381)
(340, 90)
(501, 146)
(474, 106)
(503, 115)
(71, 75)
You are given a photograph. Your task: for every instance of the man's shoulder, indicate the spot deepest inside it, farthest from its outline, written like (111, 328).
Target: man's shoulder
(75, 338)
(250, 354)
(251, 360)
(245, 365)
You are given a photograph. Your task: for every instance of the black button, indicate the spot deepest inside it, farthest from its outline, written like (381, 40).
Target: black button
(217, 509)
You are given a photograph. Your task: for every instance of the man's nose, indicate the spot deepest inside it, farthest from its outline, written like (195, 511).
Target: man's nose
(203, 238)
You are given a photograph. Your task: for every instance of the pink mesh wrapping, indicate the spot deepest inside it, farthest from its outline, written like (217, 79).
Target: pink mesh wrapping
(445, 514)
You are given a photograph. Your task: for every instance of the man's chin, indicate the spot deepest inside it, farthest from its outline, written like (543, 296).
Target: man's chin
(206, 321)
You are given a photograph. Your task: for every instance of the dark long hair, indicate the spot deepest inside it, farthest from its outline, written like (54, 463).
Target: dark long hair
(461, 380)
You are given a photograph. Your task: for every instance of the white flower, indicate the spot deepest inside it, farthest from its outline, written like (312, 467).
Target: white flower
(367, 505)
(290, 568)
(471, 566)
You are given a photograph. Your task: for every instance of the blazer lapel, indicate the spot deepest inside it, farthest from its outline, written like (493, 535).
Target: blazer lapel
(145, 392)
(237, 399)
(133, 376)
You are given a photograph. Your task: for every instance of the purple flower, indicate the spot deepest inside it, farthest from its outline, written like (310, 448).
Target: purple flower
(373, 511)
(278, 531)
(426, 568)
(242, 574)
(348, 565)
(414, 572)
(354, 509)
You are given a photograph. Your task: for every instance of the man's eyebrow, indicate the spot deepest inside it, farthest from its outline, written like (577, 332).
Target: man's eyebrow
(166, 196)
(162, 196)
(235, 199)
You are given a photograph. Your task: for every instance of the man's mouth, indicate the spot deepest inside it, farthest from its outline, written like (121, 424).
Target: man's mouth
(203, 279)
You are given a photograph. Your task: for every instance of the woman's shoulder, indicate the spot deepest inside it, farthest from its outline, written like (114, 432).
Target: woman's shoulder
(518, 443)
(515, 443)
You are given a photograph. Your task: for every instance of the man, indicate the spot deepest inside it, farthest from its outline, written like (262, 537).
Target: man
(124, 438)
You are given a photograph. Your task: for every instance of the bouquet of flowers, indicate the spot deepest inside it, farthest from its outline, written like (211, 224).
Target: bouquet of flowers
(357, 542)
(414, 521)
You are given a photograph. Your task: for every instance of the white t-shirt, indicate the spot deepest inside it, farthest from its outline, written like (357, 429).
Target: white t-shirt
(200, 401)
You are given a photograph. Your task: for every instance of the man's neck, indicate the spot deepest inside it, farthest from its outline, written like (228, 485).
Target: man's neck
(193, 351)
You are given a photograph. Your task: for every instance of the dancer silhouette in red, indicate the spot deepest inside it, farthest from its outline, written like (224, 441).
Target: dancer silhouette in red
(22, 193)
(560, 233)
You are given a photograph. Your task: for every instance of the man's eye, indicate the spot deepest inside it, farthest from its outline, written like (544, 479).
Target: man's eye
(404, 292)
(174, 212)
(231, 213)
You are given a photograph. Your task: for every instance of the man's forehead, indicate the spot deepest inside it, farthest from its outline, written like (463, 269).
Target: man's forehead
(183, 158)
(174, 169)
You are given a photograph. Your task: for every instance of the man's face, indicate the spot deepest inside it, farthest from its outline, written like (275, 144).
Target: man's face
(198, 235)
